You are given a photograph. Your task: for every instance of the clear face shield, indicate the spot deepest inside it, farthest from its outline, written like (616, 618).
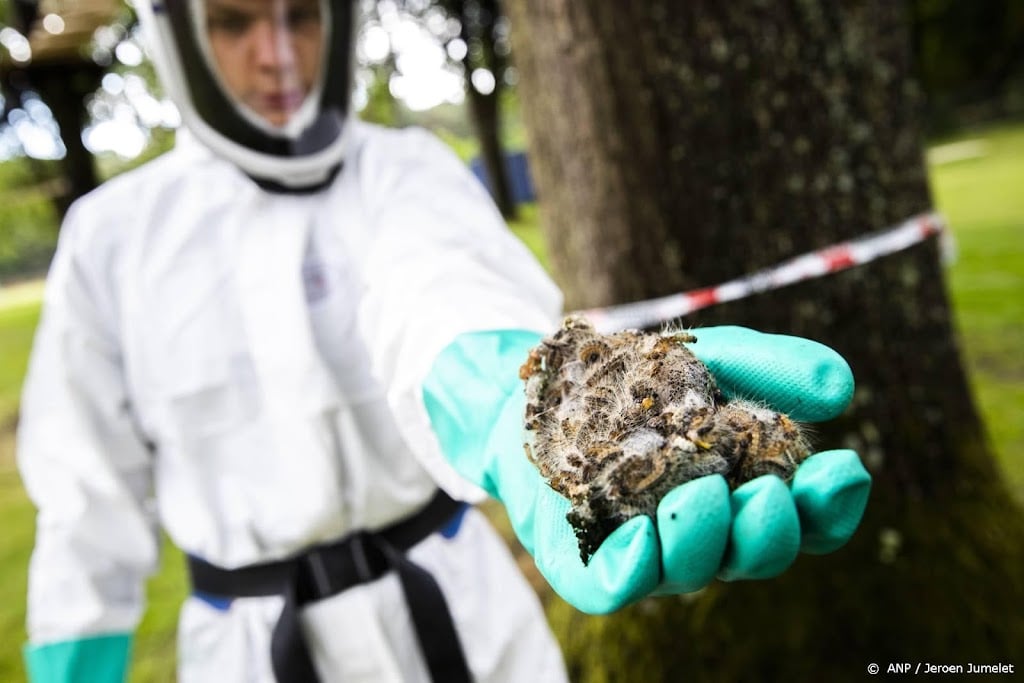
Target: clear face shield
(264, 83)
(267, 56)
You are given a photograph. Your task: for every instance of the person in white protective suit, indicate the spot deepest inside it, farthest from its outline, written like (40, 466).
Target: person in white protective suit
(292, 343)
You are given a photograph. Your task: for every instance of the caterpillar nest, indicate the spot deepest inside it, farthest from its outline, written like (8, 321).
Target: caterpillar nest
(615, 422)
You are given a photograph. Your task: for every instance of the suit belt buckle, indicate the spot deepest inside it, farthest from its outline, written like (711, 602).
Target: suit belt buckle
(329, 576)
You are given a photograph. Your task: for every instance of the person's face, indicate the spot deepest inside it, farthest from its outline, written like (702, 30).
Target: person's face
(267, 52)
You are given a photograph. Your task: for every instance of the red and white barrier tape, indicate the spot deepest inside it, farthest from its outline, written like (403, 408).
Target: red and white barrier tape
(642, 314)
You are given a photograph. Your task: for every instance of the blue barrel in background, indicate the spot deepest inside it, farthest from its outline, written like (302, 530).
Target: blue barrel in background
(518, 170)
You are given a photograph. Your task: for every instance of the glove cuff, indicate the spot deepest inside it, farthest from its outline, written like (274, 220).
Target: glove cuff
(98, 659)
(466, 392)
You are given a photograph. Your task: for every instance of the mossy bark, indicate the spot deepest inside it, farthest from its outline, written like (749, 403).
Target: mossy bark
(678, 145)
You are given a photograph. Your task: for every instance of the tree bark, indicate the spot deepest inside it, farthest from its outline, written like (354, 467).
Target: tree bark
(679, 145)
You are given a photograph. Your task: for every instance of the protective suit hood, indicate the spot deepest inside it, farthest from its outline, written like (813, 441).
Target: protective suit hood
(263, 83)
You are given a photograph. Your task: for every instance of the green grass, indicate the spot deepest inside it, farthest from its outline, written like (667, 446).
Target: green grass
(526, 228)
(15, 544)
(981, 198)
(17, 325)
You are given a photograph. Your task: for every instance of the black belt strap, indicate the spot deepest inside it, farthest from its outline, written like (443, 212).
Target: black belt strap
(327, 570)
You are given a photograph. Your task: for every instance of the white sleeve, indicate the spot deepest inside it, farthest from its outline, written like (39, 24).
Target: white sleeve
(83, 463)
(443, 263)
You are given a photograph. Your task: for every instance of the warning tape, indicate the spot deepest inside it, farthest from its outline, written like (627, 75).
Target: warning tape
(643, 314)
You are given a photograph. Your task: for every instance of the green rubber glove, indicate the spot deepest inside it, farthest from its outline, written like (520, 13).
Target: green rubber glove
(476, 404)
(99, 659)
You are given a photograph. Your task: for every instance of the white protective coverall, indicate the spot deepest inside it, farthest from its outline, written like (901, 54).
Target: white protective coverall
(255, 360)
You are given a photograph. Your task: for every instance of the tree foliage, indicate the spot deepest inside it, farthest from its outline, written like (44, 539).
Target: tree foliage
(969, 54)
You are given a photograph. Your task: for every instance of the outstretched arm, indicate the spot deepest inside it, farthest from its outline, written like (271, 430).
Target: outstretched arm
(701, 529)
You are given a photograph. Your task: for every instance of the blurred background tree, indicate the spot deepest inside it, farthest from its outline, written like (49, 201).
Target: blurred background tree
(709, 140)
(483, 49)
(969, 58)
(57, 63)
(78, 106)
(474, 35)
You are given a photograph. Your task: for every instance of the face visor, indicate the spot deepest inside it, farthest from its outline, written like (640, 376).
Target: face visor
(267, 57)
(265, 83)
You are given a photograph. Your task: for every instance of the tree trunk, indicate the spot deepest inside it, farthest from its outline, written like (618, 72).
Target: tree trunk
(678, 145)
(477, 21)
(64, 87)
(487, 122)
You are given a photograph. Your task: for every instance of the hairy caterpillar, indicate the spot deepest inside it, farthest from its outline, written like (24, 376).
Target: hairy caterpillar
(616, 421)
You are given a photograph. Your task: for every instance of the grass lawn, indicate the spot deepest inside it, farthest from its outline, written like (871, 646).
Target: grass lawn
(977, 187)
(981, 197)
